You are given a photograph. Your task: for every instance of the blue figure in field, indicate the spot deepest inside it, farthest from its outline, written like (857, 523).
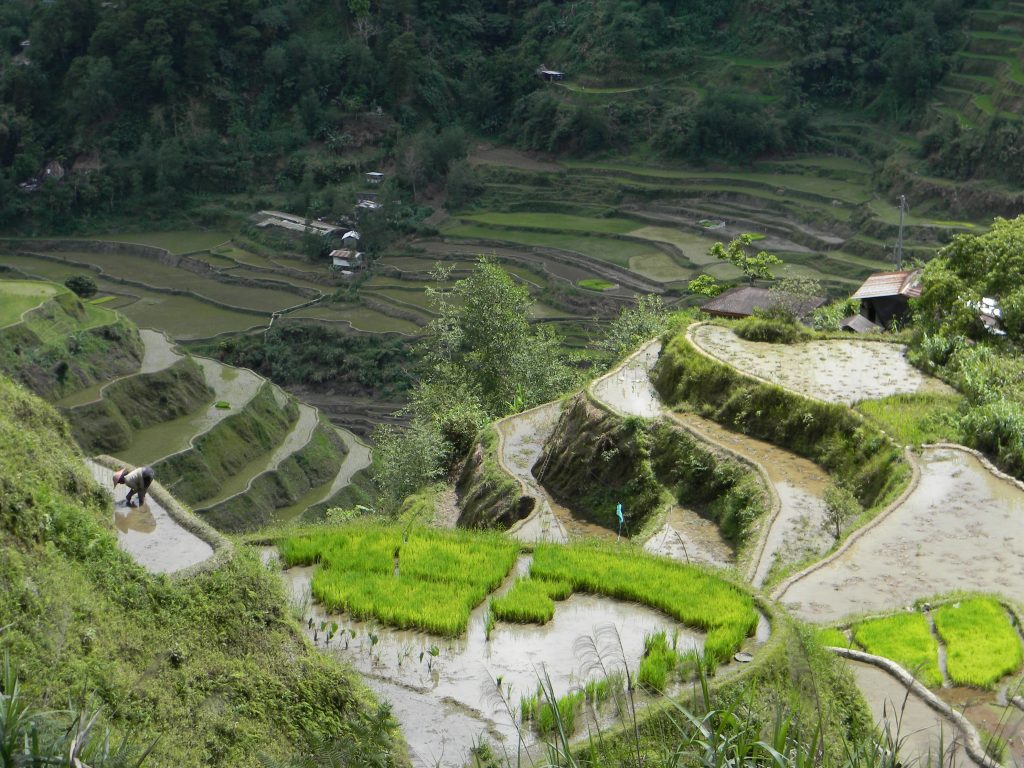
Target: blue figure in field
(618, 513)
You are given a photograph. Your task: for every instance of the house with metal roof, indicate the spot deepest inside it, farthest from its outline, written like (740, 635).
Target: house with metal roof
(743, 300)
(885, 296)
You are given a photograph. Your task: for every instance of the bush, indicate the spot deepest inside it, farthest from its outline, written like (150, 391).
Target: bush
(82, 285)
(769, 330)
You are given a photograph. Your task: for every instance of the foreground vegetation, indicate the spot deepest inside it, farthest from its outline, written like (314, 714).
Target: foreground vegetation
(224, 661)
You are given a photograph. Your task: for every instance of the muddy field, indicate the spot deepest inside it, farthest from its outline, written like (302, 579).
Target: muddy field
(962, 528)
(836, 371)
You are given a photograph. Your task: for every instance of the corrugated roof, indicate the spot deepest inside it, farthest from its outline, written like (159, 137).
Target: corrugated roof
(859, 324)
(743, 300)
(906, 283)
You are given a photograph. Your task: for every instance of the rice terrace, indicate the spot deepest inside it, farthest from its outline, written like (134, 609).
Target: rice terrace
(578, 385)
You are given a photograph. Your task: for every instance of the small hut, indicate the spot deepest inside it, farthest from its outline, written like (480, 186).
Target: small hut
(374, 177)
(885, 296)
(550, 75)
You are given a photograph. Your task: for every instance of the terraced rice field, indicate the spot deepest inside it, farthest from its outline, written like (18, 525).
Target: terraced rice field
(836, 371)
(148, 533)
(357, 458)
(234, 386)
(358, 317)
(962, 528)
(19, 296)
(182, 241)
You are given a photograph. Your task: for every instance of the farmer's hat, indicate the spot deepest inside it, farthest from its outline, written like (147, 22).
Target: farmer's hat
(118, 475)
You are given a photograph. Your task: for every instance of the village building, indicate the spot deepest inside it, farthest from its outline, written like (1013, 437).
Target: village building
(744, 300)
(885, 296)
(351, 239)
(550, 75)
(347, 261)
(374, 177)
(292, 223)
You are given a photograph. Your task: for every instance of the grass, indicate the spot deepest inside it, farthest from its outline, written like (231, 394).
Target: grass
(830, 636)
(596, 284)
(915, 419)
(412, 579)
(981, 644)
(19, 296)
(907, 639)
(560, 221)
(693, 596)
(218, 652)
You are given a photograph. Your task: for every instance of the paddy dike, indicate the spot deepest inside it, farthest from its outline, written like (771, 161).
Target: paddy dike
(962, 528)
(472, 687)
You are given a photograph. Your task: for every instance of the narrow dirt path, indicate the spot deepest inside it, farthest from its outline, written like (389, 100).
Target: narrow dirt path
(149, 534)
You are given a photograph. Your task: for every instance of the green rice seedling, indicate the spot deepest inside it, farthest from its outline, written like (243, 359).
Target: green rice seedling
(916, 418)
(692, 595)
(598, 690)
(595, 284)
(526, 603)
(556, 590)
(905, 638)
(981, 644)
(528, 704)
(659, 662)
(564, 712)
(832, 637)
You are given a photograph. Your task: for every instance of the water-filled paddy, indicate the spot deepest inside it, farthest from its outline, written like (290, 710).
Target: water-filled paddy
(235, 386)
(358, 317)
(446, 703)
(145, 269)
(148, 533)
(962, 528)
(836, 371)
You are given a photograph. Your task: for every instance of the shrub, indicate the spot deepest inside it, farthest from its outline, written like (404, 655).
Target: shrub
(82, 285)
(771, 330)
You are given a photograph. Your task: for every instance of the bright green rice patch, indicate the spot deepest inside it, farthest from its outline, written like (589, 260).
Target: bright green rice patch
(19, 296)
(833, 638)
(555, 221)
(907, 639)
(755, 236)
(982, 646)
(596, 284)
(562, 716)
(915, 419)
(417, 578)
(687, 593)
(661, 662)
(103, 300)
(527, 602)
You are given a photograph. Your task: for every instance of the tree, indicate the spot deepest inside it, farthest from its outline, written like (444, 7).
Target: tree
(406, 460)
(704, 285)
(793, 298)
(635, 325)
(841, 506)
(82, 285)
(753, 267)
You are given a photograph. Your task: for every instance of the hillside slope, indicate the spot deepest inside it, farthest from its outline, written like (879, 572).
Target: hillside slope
(212, 667)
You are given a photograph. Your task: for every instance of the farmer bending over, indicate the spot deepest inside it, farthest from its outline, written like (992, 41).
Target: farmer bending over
(138, 482)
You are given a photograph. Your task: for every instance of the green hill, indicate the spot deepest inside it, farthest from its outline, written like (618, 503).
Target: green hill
(213, 668)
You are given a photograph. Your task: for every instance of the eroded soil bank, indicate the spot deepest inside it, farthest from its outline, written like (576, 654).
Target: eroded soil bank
(962, 528)
(149, 534)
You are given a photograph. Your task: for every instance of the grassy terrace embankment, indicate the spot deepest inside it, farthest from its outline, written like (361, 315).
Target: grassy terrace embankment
(212, 669)
(56, 344)
(852, 449)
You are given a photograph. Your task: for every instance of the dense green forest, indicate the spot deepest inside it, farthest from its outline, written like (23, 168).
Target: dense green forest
(147, 105)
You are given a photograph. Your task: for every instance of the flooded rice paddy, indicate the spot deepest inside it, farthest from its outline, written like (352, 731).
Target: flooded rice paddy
(148, 533)
(962, 528)
(921, 727)
(798, 530)
(358, 457)
(235, 386)
(471, 690)
(836, 371)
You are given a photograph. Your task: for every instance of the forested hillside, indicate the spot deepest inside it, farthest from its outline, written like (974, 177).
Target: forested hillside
(147, 104)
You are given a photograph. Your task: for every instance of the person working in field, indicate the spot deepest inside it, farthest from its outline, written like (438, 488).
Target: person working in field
(138, 482)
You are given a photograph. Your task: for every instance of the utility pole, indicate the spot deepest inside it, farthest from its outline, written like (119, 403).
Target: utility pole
(898, 254)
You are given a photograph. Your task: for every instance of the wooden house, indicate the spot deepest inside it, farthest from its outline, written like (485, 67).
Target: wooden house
(550, 75)
(374, 177)
(885, 296)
